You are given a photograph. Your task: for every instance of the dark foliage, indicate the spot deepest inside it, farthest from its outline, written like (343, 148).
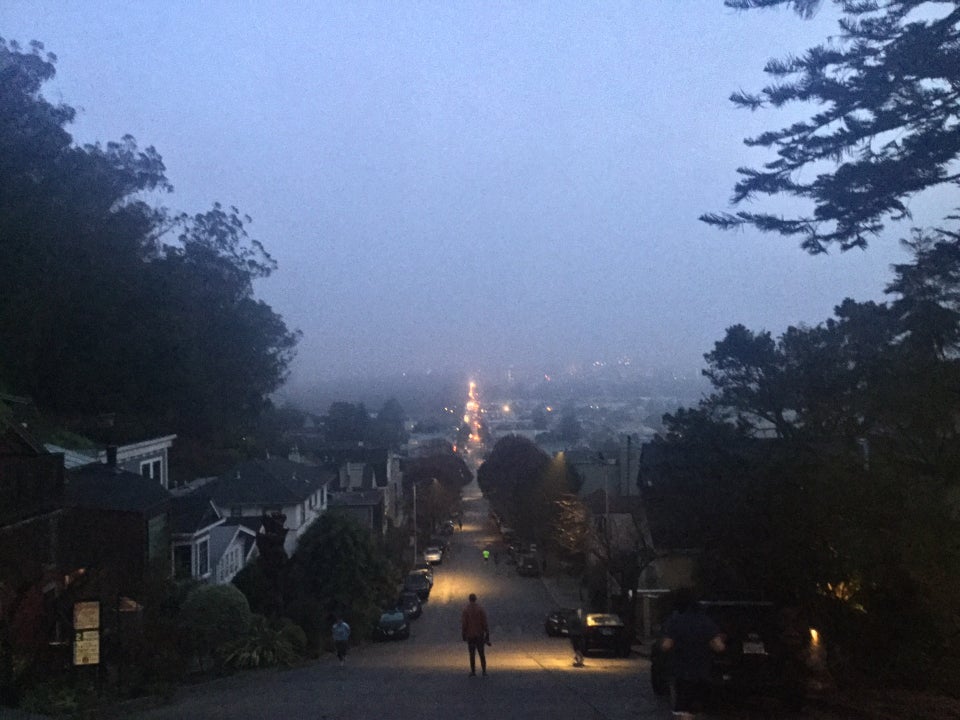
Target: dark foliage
(114, 305)
(887, 89)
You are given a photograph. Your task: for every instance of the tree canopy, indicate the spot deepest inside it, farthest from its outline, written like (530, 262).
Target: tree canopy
(886, 128)
(523, 484)
(824, 465)
(110, 304)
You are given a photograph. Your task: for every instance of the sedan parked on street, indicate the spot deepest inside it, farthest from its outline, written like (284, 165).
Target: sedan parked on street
(556, 623)
(418, 583)
(410, 603)
(392, 625)
(606, 631)
(433, 555)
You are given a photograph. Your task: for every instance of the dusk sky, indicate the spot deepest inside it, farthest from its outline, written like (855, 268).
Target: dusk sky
(460, 185)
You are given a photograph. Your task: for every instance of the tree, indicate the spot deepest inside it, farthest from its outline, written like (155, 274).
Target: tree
(339, 564)
(845, 506)
(114, 305)
(523, 484)
(569, 429)
(508, 476)
(889, 122)
(388, 429)
(439, 479)
(212, 616)
(346, 422)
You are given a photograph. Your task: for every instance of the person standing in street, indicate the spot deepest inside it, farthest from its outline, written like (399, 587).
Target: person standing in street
(341, 638)
(575, 631)
(475, 632)
(693, 638)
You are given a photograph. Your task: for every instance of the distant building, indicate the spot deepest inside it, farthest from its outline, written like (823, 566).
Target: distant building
(364, 505)
(148, 458)
(274, 486)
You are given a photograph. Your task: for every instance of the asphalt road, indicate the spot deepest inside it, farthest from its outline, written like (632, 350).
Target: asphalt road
(425, 677)
(531, 676)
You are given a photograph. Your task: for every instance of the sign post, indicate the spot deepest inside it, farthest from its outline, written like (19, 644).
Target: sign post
(86, 633)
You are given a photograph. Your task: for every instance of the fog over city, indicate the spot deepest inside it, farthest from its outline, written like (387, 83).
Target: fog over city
(468, 185)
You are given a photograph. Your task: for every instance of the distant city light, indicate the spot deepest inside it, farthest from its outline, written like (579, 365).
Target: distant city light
(506, 408)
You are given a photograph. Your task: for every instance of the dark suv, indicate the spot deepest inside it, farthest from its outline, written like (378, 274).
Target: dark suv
(762, 655)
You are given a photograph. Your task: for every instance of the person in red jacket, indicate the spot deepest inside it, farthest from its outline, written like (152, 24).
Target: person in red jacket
(475, 632)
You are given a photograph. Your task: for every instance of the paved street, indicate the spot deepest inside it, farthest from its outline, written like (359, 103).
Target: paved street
(427, 676)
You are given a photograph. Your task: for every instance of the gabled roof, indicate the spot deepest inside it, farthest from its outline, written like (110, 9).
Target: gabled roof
(15, 439)
(191, 513)
(275, 481)
(356, 498)
(102, 487)
(221, 537)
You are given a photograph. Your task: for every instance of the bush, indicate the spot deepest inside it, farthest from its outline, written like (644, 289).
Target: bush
(64, 695)
(211, 617)
(310, 616)
(266, 644)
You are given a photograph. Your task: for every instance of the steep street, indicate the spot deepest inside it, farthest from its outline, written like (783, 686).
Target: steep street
(427, 676)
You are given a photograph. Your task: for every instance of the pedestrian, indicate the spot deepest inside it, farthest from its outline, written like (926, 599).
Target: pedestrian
(341, 637)
(486, 555)
(575, 631)
(692, 638)
(460, 523)
(475, 632)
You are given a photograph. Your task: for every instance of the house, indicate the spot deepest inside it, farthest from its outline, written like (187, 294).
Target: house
(616, 475)
(362, 469)
(364, 505)
(232, 546)
(203, 546)
(255, 488)
(149, 458)
(31, 519)
(192, 518)
(119, 523)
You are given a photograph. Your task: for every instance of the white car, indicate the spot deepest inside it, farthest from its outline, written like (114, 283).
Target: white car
(433, 555)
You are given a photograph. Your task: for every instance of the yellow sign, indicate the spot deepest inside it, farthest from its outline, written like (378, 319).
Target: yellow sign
(86, 639)
(86, 615)
(86, 647)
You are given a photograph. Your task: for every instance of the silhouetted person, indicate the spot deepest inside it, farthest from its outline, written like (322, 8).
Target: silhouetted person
(693, 638)
(475, 632)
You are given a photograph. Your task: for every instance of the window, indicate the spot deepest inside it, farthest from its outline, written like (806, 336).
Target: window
(151, 469)
(203, 558)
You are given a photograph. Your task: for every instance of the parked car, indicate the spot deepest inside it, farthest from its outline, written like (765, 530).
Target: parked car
(392, 625)
(426, 569)
(441, 542)
(556, 621)
(447, 528)
(433, 555)
(606, 631)
(763, 656)
(528, 566)
(417, 582)
(410, 603)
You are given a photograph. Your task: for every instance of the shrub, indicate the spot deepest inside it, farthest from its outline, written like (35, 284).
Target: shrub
(266, 644)
(211, 617)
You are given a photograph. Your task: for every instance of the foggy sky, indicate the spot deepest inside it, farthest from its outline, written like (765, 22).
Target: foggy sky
(461, 185)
